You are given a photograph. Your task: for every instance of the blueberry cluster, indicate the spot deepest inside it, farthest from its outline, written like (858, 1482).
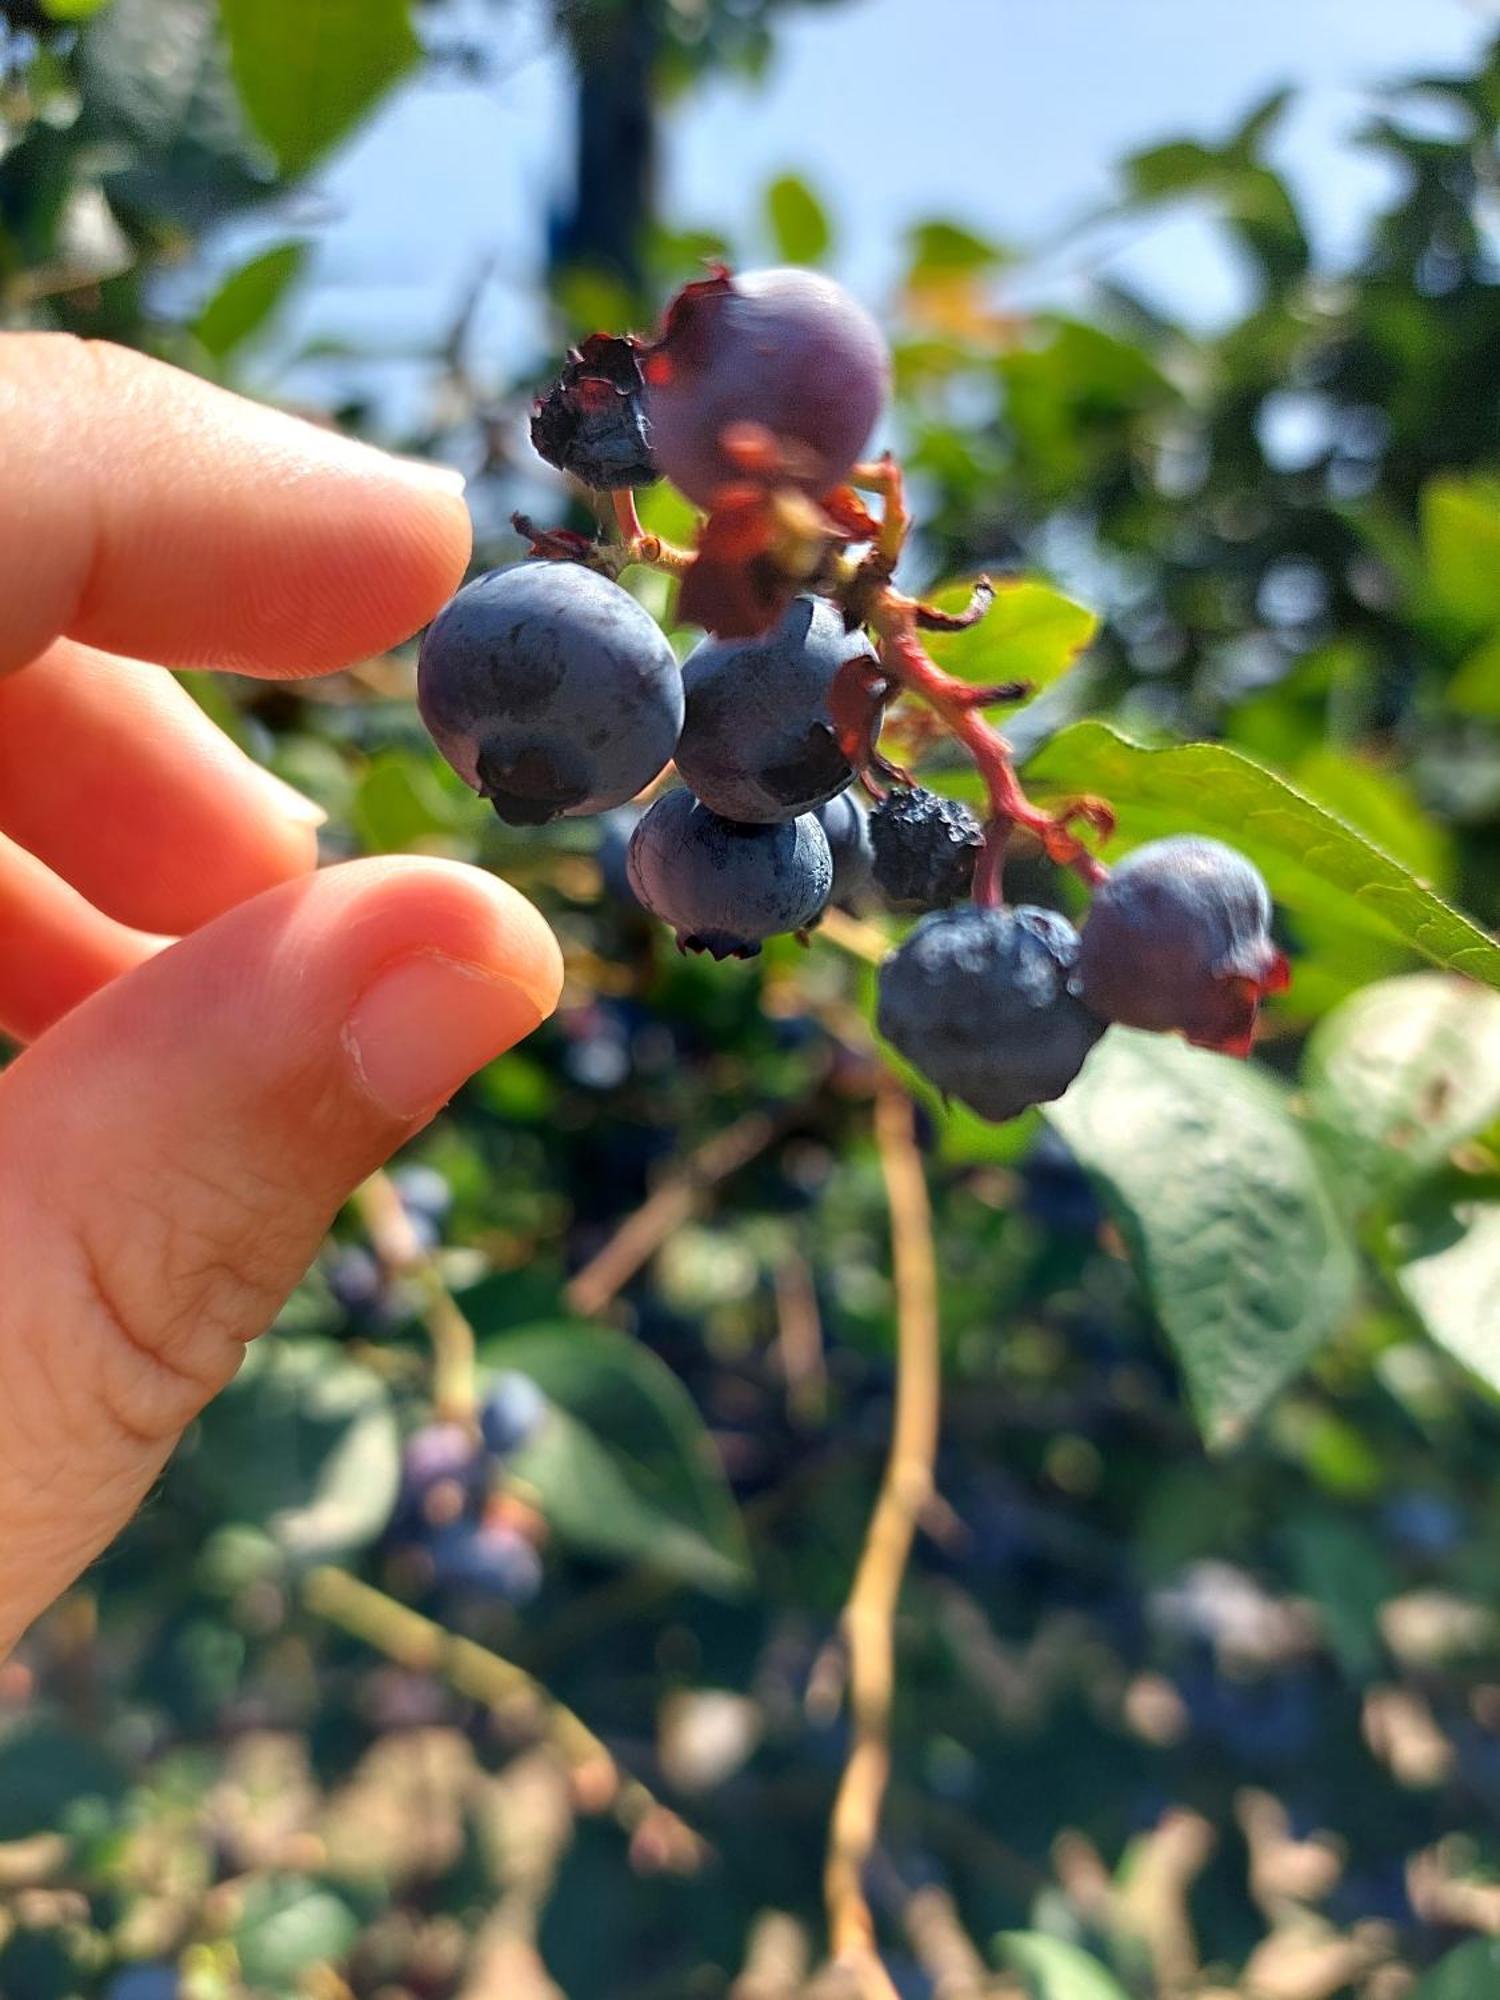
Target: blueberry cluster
(999, 1008)
(552, 692)
(452, 1513)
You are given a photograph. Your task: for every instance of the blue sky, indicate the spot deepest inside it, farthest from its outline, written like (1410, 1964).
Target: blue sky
(1005, 114)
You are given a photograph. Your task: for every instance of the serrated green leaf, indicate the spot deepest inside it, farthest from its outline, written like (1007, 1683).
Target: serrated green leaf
(309, 70)
(1053, 1969)
(1031, 632)
(1451, 1276)
(1221, 1202)
(1470, 1973)
(1399, 1074)
(1311, 859)
(797, 221)
(624, 1466)
(248, 297)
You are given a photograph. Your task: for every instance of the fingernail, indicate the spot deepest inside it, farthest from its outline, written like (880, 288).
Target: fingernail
(427, 1024)
(289, 802)
(422, 472)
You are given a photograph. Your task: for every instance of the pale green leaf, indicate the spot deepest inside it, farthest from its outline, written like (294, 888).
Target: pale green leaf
(248, 298)
(1222, 1205)
(1461, 546)
(1451, 1276)
(1053, 1969)
(309, 70)
(1402, 1072)
(1030, 633)
(797, 221)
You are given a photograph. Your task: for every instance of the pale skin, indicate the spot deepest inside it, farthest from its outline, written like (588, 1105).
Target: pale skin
(219, 1043)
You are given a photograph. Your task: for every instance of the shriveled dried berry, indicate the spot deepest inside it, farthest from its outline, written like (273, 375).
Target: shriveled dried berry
(925, 849)
(591, 422)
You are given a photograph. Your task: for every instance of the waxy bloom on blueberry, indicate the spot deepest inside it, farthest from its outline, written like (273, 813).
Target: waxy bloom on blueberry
(978, 1001)
(724, 886)
(757, 740)
(550, 691)
(1178, 940)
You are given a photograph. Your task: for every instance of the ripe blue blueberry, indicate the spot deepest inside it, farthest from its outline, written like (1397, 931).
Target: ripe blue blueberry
(1178, 939)
(757, 738)
(846, 827)
(489, 1557)
(145, 1982)
(925, 849)
(511, 1411)
(978, 1001)
(723, 886)
(443, 1476)
(550, 691)
(357, 1282)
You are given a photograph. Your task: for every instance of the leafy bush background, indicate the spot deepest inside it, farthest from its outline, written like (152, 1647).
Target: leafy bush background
(1143, 1682)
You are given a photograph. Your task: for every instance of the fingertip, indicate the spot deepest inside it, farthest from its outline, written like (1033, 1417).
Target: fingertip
(406, 904)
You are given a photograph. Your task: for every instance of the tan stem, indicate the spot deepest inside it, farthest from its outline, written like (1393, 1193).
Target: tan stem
(455, 1389)
(869, 1619)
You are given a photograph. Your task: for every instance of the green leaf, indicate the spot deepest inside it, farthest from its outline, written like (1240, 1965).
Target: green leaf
(287, 1925)
(72, 10)
(624, 1466)
(1451, 1276)
(943, 249)
(248, 297)
(401, 800)
(1053, 1969)
(1222, 1205)
(1312, 860)
(45, 1771)
(797, 221)
(309, 70)
(1461, 545)
(1470, 1973)
(1400, 1074)
(1031, 632)
(304, 1442)
(1340, 1565)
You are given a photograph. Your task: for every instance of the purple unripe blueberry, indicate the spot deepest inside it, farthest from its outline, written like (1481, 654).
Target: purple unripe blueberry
(924, 849)
(442, 1476)
(757, 740)
(550, 691)
(490, 1557)
(512, 1408)
(785, 351)
(1179, 940)
(356, 1281)
(978, 1001)
(846, 827)
(723, 886)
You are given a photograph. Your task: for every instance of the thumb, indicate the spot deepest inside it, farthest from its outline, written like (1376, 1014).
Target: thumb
(171, 1156)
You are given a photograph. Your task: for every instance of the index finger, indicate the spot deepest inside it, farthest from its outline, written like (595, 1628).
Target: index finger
(150, 513)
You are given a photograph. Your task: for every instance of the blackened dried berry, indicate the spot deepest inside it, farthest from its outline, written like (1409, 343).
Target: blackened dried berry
(592, 422)
(925, 849)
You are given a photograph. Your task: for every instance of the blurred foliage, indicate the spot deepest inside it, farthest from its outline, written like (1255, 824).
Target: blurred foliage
(1168, 1723)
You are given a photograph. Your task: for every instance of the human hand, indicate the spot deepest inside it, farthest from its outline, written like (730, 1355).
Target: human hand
(187, 1120)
